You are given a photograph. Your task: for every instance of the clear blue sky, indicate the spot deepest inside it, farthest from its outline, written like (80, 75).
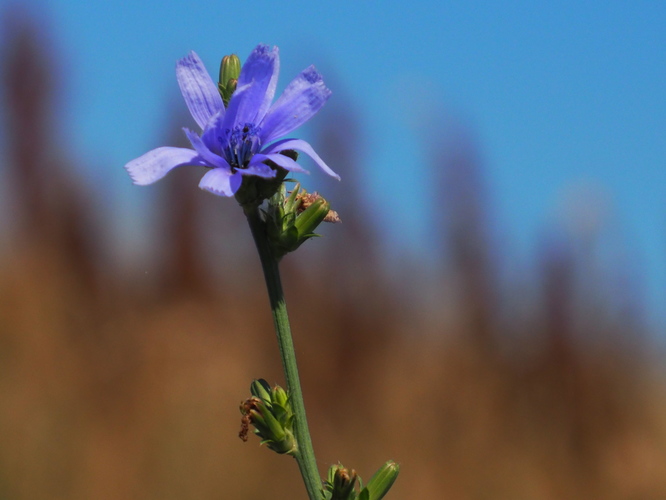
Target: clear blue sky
(567, 100)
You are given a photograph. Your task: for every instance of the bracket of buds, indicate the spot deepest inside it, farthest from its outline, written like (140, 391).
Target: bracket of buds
(269, 412)
(342, 484)
(291, 220)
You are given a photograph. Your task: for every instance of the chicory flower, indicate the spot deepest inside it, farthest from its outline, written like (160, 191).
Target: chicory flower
(239, 139)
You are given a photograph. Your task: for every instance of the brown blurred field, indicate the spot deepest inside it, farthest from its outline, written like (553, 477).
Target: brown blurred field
(122, 384)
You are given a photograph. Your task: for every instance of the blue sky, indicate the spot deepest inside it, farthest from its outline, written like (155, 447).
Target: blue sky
(566, 100)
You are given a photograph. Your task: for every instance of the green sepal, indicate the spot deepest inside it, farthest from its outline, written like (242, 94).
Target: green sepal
(254, 190)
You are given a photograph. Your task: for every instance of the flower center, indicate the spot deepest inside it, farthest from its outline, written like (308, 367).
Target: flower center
(240, 144)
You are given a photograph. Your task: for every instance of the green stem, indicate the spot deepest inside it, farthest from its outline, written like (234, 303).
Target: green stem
(305, 455)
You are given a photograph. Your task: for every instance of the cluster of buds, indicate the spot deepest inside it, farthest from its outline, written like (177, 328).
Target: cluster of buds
(270, 413)
(291, 220)
(343, 484)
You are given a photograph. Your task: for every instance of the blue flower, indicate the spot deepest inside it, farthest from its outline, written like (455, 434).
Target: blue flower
(238, 140)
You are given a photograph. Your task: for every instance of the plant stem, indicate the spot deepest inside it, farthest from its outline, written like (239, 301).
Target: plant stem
(305, 455)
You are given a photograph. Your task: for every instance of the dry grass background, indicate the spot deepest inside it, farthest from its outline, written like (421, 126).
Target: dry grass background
(115, 385)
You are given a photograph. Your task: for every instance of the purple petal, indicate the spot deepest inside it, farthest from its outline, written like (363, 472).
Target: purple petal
(211, 134)
(281, 160)
(206, 154)
(236, 110)
(157, 163)
(300, 145)
(299, 102)
(259, 169)
(260, 71)
(221, 182)
(200, 93)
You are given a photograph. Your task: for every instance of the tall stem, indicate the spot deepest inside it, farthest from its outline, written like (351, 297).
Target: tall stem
(305, 455)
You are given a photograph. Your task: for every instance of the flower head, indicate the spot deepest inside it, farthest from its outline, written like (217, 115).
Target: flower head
(240, 138)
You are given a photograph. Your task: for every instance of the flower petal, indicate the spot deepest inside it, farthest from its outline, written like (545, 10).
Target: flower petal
(299, 145)
(221, 182)
(236, 110)
(259, 169)
(281, 160)
(206, 154)
(299, 102)
(155, 164)
(211, 134)
(261, 70)
(200, 93)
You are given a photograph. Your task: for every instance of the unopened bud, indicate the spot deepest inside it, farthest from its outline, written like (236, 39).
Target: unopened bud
(340, 483)
(230, 69)
(380, 484)
(260, 389)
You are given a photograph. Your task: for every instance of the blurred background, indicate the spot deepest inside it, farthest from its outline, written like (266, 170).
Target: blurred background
(490, 313)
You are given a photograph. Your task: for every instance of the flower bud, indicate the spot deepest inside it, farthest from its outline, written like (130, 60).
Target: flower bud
(340, 484)
(230, 69)
(260, 389)
(279, 397)
(381, 482)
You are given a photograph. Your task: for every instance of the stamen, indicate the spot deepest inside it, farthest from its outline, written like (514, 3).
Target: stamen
(240, 144)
